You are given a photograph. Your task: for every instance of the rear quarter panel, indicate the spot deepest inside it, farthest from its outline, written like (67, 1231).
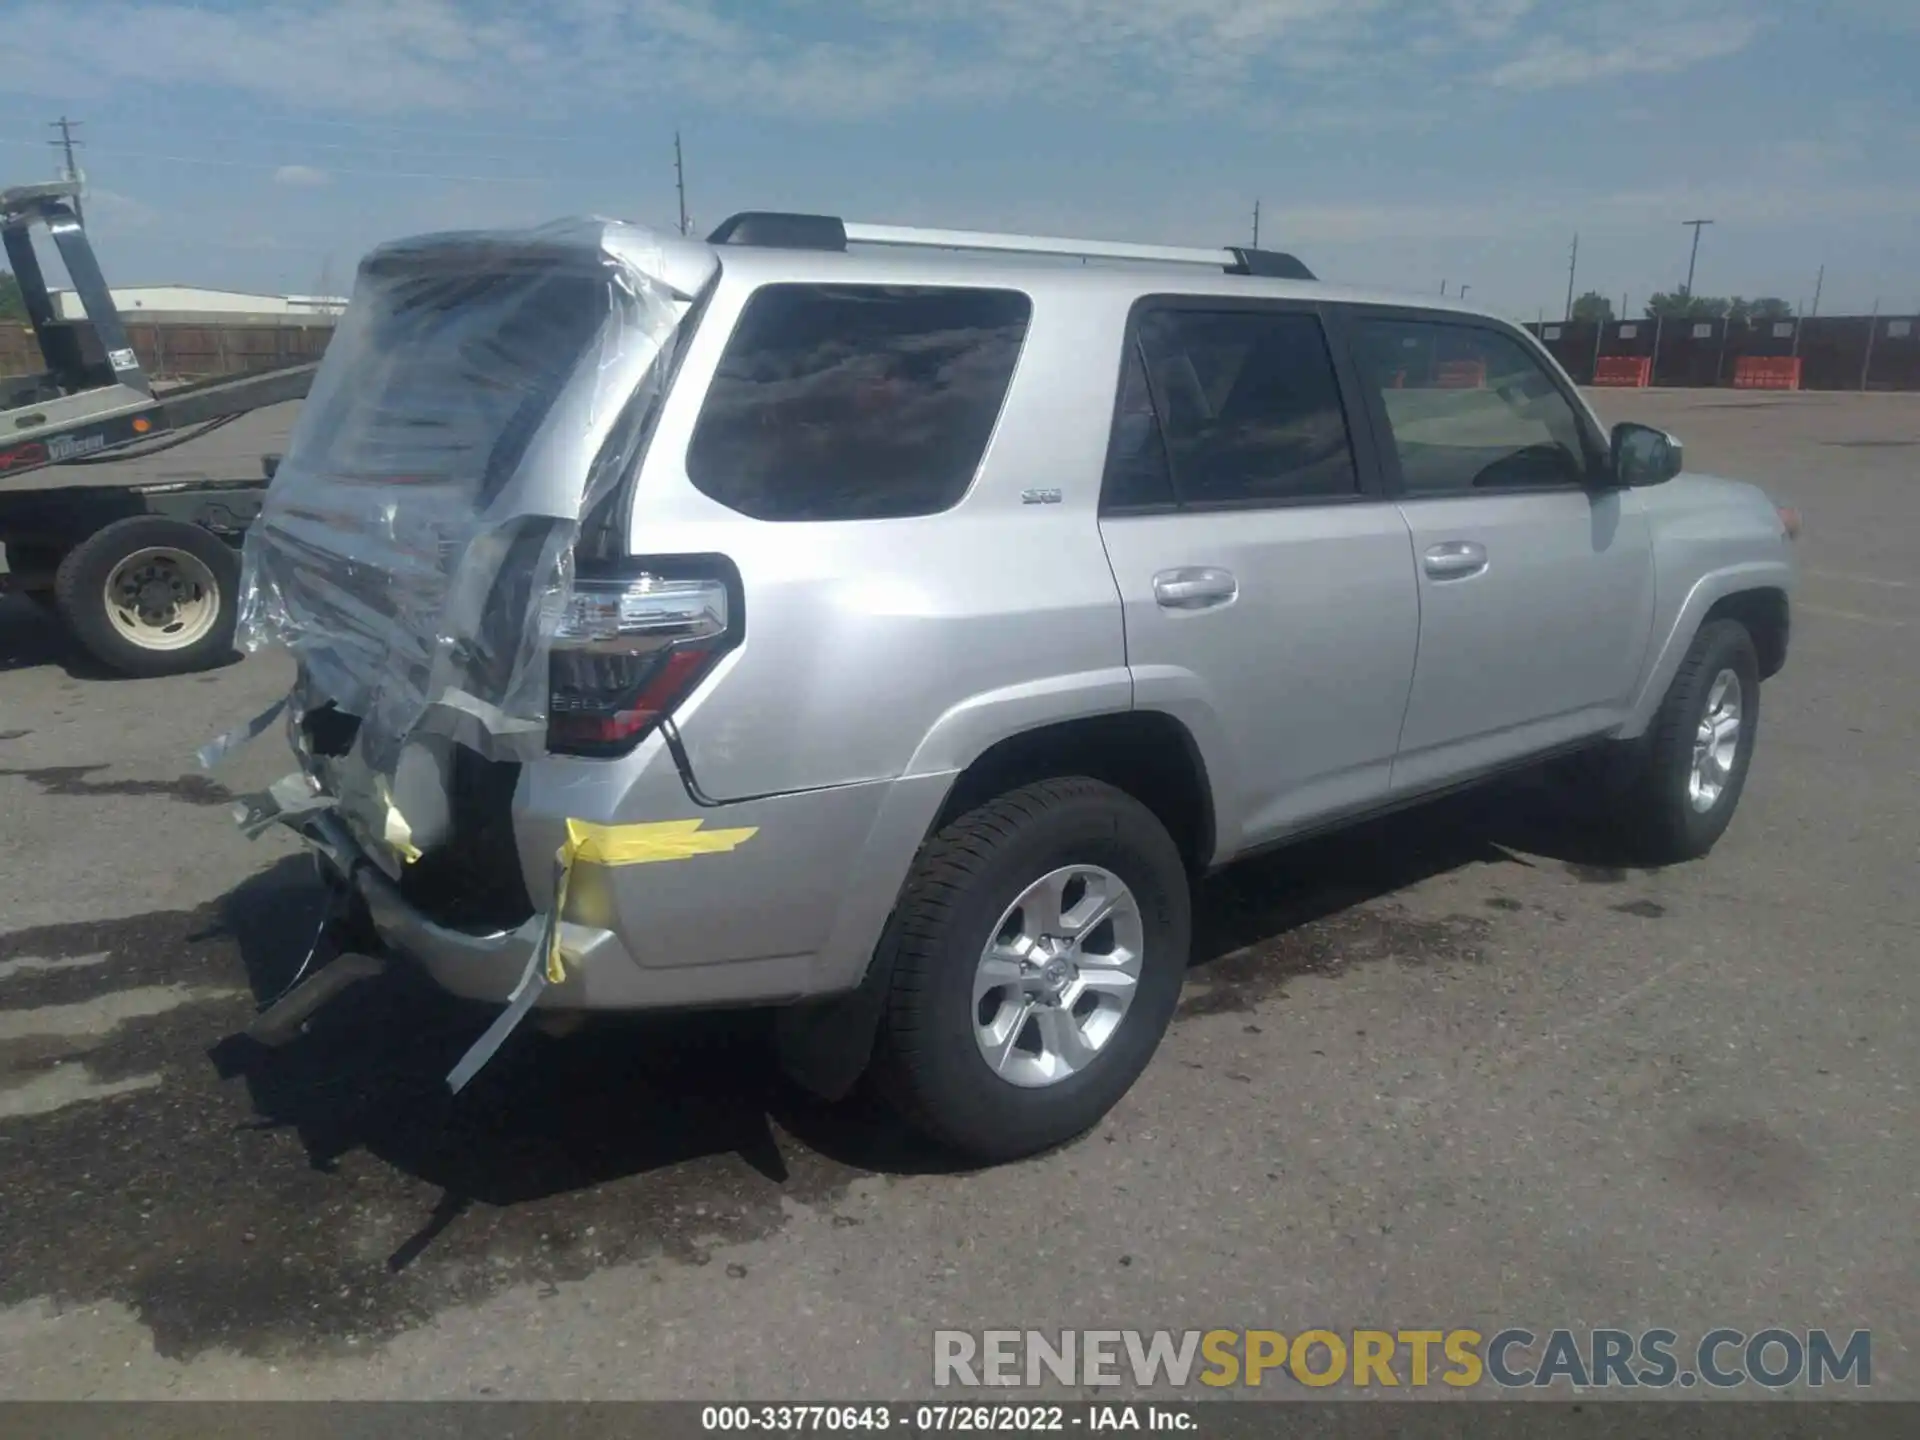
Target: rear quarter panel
(880, 648)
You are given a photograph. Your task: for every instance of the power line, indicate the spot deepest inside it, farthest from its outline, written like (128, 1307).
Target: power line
(282, 120)
(272, 165)
(463, 133)
(373, 148)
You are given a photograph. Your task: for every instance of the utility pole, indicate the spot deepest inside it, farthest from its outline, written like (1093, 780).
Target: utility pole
(1573, 260)
(1463, 291)
(1695, 256)
(1443, 287)
(1866, 363)
(680, 180)
(66, 145)
(1256, 224)
(1818, 281)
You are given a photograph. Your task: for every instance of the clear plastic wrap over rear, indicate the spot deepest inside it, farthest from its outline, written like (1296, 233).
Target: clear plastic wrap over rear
(482, 394)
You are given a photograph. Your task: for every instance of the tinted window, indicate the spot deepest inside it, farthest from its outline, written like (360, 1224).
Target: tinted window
(1470, 409)
(1137, 473)
(855, 402)
(1248, 408)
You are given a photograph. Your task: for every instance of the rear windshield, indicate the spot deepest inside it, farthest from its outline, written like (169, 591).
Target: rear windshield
(454, 374)
(856, 402)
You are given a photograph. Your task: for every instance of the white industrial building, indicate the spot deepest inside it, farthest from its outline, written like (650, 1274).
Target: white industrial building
(189, 303)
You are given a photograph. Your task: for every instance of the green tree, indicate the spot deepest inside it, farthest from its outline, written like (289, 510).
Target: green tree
(1593, 308)
(1769, 307)
(1679, 305)
(12, 307)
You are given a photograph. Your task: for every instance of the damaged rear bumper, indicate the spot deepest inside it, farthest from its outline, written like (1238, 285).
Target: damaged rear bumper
(474, 965)
(790, 916)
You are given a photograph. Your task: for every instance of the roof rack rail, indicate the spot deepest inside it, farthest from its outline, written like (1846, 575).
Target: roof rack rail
(829, 232)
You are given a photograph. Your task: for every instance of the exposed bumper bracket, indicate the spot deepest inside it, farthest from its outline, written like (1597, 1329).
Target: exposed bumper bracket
(280, 1022)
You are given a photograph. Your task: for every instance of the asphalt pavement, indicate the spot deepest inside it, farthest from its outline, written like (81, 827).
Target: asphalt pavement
(1452, 1069)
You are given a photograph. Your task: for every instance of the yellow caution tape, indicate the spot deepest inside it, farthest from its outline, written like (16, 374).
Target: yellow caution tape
(394, 829)
(643, 844)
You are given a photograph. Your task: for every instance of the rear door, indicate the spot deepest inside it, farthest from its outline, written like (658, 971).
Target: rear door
(1535, 572)
(1267, 582)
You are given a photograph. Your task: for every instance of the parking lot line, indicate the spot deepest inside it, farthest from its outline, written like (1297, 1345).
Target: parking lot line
(105, 1013)
(27, 964)
(66, 1085)
(1854, 615)
(1853, 579)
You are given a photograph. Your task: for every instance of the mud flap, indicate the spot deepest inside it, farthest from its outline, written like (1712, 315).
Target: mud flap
(825, 1046)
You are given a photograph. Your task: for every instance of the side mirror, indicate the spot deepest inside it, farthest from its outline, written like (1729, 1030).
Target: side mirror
(1643, 455)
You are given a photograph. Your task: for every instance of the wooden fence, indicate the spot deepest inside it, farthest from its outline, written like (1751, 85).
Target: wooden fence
(184, 350)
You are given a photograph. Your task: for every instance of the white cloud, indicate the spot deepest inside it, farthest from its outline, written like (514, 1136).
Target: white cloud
(110, 213)
(305, 176)
(1656, 50)
(1272, 60)
(1489, 19)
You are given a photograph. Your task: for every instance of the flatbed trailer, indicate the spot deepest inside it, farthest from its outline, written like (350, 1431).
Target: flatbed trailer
(145, 576)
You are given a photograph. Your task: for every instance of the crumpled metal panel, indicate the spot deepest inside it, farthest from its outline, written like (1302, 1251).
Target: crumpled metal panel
(484, 391)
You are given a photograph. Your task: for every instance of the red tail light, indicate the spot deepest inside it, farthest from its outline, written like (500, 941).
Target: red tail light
(629, 648)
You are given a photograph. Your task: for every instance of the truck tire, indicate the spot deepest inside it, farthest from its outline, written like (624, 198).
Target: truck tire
(151, 596)
(1685, 776)
(1039, 949)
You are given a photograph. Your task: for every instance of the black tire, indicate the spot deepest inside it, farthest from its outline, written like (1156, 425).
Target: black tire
(927, 1062)
(1654, 805)
(80, 586)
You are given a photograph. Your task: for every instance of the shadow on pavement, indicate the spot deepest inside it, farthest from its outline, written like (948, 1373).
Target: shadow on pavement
(632, 1096)
(32, 635)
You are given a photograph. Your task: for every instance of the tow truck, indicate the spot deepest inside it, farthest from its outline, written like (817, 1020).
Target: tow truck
(145, 576)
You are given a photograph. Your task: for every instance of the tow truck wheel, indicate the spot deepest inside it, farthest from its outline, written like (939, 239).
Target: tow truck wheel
(151, 596)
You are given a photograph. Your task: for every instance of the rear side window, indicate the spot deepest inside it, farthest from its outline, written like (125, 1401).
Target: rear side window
(1229, 407)
(856, 402)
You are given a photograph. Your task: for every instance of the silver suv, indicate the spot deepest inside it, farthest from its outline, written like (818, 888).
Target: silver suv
(891, 625)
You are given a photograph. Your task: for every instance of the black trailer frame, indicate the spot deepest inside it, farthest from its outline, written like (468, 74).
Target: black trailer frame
(96, 403)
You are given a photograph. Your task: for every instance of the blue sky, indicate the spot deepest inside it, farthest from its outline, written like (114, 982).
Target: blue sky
(262, 144)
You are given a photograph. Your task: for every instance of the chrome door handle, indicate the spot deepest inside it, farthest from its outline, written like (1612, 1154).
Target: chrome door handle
(1194, 588)
(1455, 559)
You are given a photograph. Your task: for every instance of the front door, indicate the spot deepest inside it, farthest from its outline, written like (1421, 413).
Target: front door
(1535, 575)
(1268, 585)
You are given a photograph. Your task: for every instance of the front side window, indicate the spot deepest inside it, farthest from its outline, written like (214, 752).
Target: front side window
(1469, 408)
(1247, 407)
(856, 402)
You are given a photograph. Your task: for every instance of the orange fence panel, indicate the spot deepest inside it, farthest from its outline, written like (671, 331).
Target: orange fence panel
(1767, 372)
(1461, 375)
(1633, 371)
